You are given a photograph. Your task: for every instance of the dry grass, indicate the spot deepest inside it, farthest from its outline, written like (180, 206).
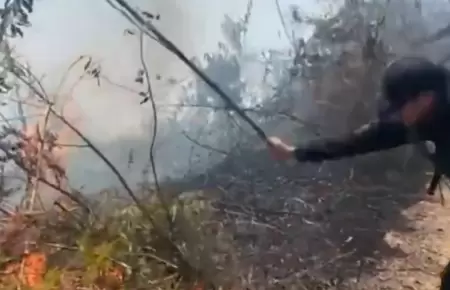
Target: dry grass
(57, 250)
(81, 244)
(285, 241)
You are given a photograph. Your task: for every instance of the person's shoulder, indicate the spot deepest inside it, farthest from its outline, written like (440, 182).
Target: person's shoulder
(412, 63)
(413, 69)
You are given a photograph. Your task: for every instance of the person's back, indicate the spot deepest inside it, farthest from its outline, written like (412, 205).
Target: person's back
(417, 109)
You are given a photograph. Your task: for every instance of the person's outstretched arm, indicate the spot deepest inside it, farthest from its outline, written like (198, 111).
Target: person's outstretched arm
(376, 136)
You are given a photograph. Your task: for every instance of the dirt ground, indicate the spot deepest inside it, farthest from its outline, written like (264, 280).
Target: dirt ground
(422, 251)
(350, 231)
(366, 237)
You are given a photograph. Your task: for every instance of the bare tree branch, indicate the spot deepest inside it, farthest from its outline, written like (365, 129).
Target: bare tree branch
(257, 110)
(207, 147)
(43, 97)
(149, 29)
(39, 162)
(283, 23)
(151, 98)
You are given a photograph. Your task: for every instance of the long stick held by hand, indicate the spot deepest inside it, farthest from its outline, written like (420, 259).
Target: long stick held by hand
(139, 21)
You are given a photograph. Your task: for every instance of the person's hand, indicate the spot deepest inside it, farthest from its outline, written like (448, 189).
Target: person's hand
(280, 150)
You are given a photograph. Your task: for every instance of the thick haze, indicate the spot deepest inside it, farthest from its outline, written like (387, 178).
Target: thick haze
(63, 30)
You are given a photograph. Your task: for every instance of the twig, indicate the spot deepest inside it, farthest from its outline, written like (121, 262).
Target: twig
(71, 145)
(283, 23)
(159, 281)
(83, 137)
(151, 154)
(69, 213)
(204, 146)
(127, 88)
(141, 23)
(43, 97)
(256, 110)
(155, 114)
(63, 191)
(191, 151)
(123, 87)
(436, 36)
(66, 74)
(246, 19)
(45, 181)
(153, 256)
(255, 223)
(6, 212)
(20, 111)
(39, 160)
(321, 266)
(6, 120)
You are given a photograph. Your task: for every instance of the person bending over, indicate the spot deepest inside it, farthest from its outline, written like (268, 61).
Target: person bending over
(416, 93)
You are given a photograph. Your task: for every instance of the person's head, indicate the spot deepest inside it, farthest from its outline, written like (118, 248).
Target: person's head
(413, 88)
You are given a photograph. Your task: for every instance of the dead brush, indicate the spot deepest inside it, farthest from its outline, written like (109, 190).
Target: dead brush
(168, 245)
(124, 252)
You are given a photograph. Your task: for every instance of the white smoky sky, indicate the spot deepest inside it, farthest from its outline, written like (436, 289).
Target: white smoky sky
(63, 30)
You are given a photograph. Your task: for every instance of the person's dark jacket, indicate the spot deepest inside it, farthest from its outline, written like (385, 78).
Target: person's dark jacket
(402, 80)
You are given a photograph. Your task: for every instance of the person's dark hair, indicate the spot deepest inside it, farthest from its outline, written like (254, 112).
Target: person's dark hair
(407, 77)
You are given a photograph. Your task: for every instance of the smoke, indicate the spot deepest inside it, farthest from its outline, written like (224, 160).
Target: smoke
(109, 112)
(53, 43)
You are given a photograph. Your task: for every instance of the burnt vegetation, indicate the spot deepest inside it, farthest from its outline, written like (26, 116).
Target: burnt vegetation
(235, 219)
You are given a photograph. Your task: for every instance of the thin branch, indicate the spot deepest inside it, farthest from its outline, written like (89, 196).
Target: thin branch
(155, 113)
(71, 145)
(130, 89)
(283, 23)
(151, 154)
(120, 86)
(20, 111)
(43, 97)
(191, 151)
(28, 103)
(149, 29)
(66, 74)
(436, 36)
(8, 120)
(40, 158)
(20, 164)
(256, 110)
(204, 146)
